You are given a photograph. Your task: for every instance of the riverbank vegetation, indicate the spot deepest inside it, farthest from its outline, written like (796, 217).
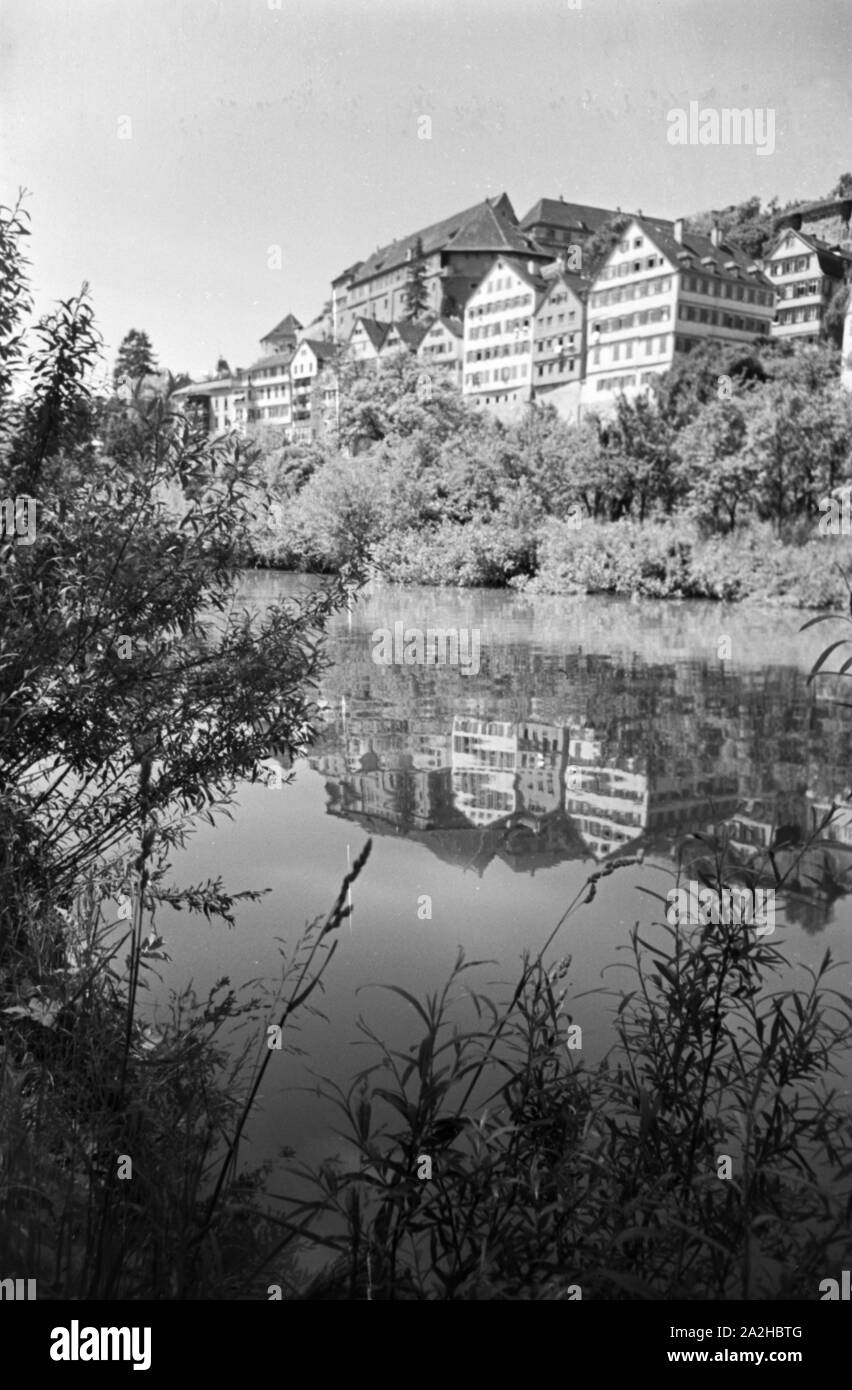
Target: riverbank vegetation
(134, 697)
(711, 488)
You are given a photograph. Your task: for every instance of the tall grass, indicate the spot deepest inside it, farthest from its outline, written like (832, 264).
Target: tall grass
(551, 1179)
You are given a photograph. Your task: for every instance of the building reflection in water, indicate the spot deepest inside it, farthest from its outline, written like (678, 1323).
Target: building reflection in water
(549, 759)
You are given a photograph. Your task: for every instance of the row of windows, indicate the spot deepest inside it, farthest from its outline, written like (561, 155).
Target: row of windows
(496, 306)
(556, 318)
(644, 316)
(803, 315)
(630, 344)
(437, 350)
(265, 393)
(616, 383)
(548, 368)
(548, 344)
(804, 287)
(658, 285)
(500, 350)
(727, 289)
(494, 330)
(790, 266)
(497, 374)
(714, 316)
(618, 272)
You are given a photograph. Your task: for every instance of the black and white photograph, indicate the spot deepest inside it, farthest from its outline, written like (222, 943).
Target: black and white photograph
(425, 671)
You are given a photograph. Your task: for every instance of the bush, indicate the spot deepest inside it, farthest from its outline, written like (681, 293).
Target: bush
(622, 557)
(464, 556)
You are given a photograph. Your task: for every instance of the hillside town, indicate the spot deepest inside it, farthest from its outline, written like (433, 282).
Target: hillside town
(512, 311)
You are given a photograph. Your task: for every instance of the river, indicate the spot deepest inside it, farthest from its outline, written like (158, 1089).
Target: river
(592, 728)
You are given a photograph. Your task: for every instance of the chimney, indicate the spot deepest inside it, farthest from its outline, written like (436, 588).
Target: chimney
(716, 234)
(678, 230)
(532, 267)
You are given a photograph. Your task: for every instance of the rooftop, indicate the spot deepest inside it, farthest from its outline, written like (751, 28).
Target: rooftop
(555, 212)
(487, 226)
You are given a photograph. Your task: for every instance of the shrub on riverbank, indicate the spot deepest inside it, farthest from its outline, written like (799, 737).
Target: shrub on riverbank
(672, 560)
(684, 494)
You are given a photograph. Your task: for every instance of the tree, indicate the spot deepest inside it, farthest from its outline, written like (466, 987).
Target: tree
(135, 358)
(748, 224)
(108, 660)
(843, 187)
(414, 292)
(835, 313)
(714, 472)
(599, 245)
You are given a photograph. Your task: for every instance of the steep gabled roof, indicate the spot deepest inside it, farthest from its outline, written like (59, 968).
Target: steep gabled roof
(320, 348)
(487, 229)
(375, 329)
(829, 255)
(575, 217)
(432, 238)
(412, 334)
(286, 327)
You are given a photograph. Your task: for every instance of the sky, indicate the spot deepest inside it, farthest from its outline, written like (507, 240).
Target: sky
(209, 165)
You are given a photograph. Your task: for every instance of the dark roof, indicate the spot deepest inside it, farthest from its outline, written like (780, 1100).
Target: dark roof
(274, 359)
(700, 247)
(454, 325)
(555, 212)
(288, 325)
(432, 238)
(345, 274)
(820, 205)
(412, 334)
(375, 329)
(319, 347)
(489, 229)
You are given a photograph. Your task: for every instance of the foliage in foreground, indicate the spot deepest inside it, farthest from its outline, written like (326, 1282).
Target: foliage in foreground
(133, 699)
(549, 1177)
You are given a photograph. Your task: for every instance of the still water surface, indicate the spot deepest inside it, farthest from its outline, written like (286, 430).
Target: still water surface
(594, 728)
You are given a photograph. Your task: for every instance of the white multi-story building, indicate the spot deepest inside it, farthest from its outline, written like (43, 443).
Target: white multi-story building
(499, 330)
(661, 291)
(805, 273)
(269, 386)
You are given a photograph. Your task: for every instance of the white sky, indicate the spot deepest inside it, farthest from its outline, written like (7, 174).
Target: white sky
(253, 127)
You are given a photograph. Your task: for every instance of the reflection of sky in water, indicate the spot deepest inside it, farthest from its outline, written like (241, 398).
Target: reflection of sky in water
(594, 728)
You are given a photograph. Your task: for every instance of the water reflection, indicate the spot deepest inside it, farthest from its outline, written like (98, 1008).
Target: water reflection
(547, 756)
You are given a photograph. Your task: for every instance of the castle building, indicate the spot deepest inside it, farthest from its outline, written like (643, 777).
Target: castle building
(452, 254)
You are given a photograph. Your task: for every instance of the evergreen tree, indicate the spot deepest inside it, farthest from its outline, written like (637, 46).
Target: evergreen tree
(135, 357)
(415, 292)
(599, 245)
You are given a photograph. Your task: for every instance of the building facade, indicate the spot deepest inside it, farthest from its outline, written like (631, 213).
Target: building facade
(662, 291)
(556, 225)
(313, 393)
(499, 330)
(442, 348)
(805, 272)
(452, 254)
